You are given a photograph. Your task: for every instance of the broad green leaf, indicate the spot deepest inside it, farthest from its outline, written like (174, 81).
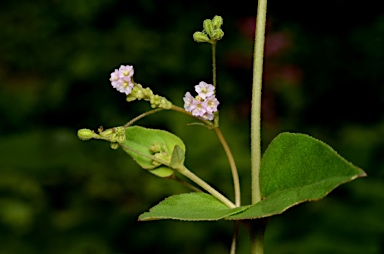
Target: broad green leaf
(296, 168)
(140, 139)
(194, 206)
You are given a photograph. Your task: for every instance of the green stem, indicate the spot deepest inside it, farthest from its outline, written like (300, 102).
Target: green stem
(256, 229)
(234, 237)
(181, 110)
(142, 116)
(256, 99)
(184, 171)
(231, 160)
(214, 63)
(186, 184)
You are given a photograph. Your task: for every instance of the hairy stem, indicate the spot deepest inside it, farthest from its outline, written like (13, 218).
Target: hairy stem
(150, 112)
(187, 173)
(256, 99)
(257, 227)
(214, 63)
(234, 237)
(231, 160)
(184, 171)
(181, 110)
(186, 184)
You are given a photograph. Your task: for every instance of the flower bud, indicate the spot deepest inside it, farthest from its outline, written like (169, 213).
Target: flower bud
(114, 146)
(131, 98)
(208, 27)
(85, 134)
(121, 139)
(107, 132)
(217, 21)
(200, 37)
(218, 34)
(155, 147)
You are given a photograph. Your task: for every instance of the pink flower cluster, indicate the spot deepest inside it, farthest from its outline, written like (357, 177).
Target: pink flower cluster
(121, 79)
(204, 104)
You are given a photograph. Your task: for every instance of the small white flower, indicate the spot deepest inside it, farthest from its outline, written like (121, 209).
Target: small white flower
(126, 72)
(198, 108)
(188, 101)
(208, 116)
(204, 90)
(204, 104)
(125, 87)
(114, 78)
(211, 104)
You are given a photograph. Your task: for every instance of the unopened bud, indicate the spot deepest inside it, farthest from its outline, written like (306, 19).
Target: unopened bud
(200, 37)
(218, 34)
(208, 27)
(217, 21)
(107, 132)
(85, 134)
(155, 147)
(121, 139)
(114, 146)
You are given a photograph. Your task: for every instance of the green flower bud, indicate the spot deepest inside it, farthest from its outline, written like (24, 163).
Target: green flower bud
(147, 92)
(139, 94)
(208, 27)
(85, 134)
(200, 37)
(130, 97)
(218, 34)
(121, 139)
(217, 21)
(165, 104)
(114, 146)
(112, 138)
(155, 147)
(107, 132)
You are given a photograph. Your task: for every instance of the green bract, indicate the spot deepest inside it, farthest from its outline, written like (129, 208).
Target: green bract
(139, 145)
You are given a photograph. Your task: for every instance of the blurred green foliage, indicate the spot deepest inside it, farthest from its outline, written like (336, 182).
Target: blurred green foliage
(323, 76)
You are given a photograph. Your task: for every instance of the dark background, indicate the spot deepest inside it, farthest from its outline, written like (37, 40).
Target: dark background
(323, 76)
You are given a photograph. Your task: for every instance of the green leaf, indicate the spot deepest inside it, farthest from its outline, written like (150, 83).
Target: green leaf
(194, 206)
(138, 143)
(296, 168)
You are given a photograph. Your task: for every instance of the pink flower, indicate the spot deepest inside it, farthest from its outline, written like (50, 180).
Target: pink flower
(121, 79)
(211, 104)
(198, 108)
(114, 78)
(188, 101)
(205, 104)
(208, 116)
(204, 90)
(126, 72)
